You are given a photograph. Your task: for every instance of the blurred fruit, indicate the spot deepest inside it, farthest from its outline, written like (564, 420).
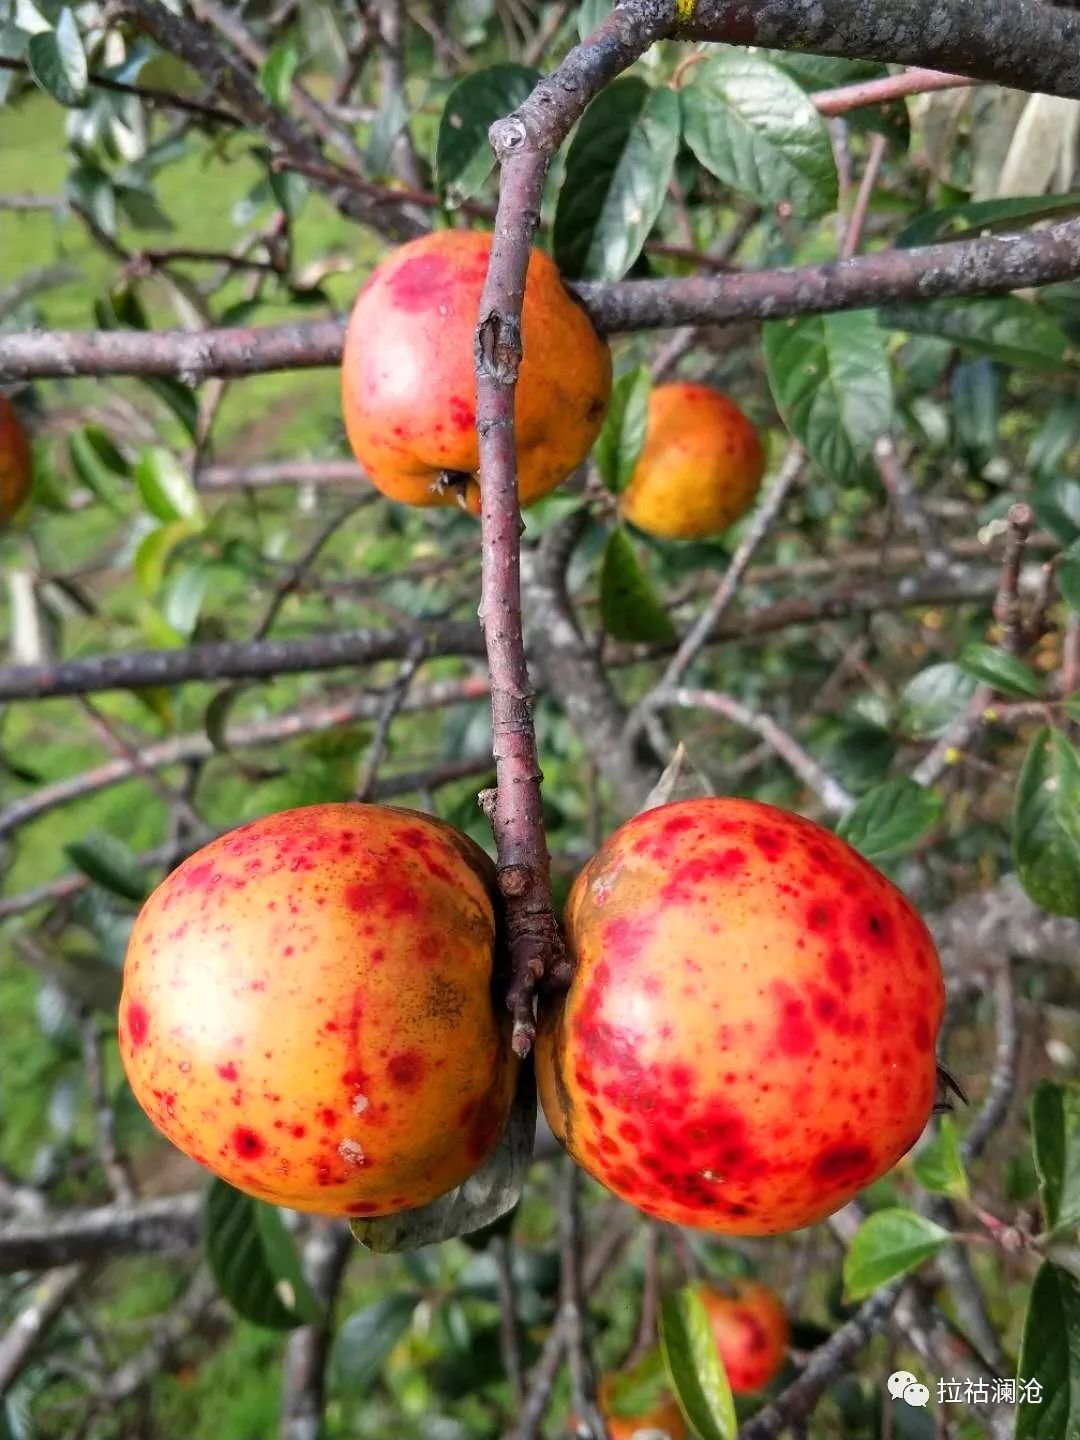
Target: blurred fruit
(660, 1418)
(750, 1326)
(700, 467)
(16, 466)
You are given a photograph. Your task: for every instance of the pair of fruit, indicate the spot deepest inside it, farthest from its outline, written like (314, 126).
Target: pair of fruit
(747, 1042)
(750, 1330)
(409, 403)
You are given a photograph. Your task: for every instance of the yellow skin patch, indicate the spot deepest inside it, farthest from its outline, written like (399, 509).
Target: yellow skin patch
(749, 1036)
(700, 468)
(307, 1009)
(408, 385)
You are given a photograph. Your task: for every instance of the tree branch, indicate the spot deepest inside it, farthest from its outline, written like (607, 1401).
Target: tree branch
(173, 1222)
(986, 265)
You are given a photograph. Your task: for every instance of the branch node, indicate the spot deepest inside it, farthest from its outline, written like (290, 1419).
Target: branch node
(514, 879)
(508, 137)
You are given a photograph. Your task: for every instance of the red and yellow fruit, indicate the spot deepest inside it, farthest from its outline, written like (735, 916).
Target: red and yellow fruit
(408, 386)
(660, 1418)
(700, 467)
(307, 1009)
(16, 468)
(750, 1327)
(749, 1036)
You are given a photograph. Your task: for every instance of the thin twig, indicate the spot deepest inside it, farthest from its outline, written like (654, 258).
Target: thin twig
(166, 99)
(854, 233)
(1002, 1088)
(393, 699)
(509, 1331)
(906, 502)
(326, 1254)
(113, 1163)
(590, 1422)
(47, 1300)
(1007, 610)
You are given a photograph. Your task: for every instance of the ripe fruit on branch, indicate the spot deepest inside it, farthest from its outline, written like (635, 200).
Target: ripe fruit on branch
(749, 1036)
(408, 387)
(307, 1009)
(16, 469)
(700, 467)
(750, 1327)
(660, 1418)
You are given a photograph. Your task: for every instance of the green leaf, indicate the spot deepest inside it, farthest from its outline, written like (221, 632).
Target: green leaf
(479, 1201)
(694, 1367)
(180, 399)
(1005, 673)
(633, 1392)
(57, 60)
(88, 465)
(620, 441)
(974, 387)
(1056, 437)
(891, 818)
(1008, 329)
(829, 376)
(1056, 503)
(618, 170)
(366, 1339)
(276, 75)
(629, 606)
(939, 1166)
(955, 222)
(755, 129)
(463, 154)
(250, 1259)
(153, 553)
(1055, 1142)
(1068, 576)
(889, 1243)
(933, 699)
(109, 863)
(166, 488)
(589, 15)
(1050, 1356)
(823, 72)
(1046, 822)
(184, 595)
(91, 190)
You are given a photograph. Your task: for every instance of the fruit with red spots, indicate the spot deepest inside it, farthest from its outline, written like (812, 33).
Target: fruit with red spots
(700, 467)
(750, 1327)
(308, 1009)
(409, 390)
(749, 1036)
(660, 1417)
(16, 470)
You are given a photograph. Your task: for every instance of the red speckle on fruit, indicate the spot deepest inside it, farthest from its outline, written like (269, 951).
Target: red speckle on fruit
(227, 1072)
(406, 1069)
(842, 1162)
(248, 1143)
(138, 1023)
(413, 283)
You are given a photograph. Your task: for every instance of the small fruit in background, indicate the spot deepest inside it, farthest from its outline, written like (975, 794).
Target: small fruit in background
(749, 1036)
(660, 1417)
(16, 464)
(408, 383)
(308, 1010)
(750, 1327)
(700, 467)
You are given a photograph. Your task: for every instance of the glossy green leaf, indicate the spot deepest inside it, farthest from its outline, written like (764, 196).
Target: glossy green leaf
(366, 1339)
(1007, 674)
(463, 154)
(90, 189)
(110, 864)
(178, 398)
(1050, 1356)
(887, 1244)
(824, 72)
(166, 487)
(1058, 434)
(153, 553)
(254, 1261)
(618, 170)
(1055, 1142)
(487, 1195)
(278, 69)
(891, 818)
(1046, 824)
(934, 698)
(89, 466)
(829, 376)
(939, 1166)
(1056, 503)
(974, 389)
(694, 1367)
(629, 606)
(57, 60)
(619, 443)
(184, 595)
(1068, 576)
(634, 1391)
(754, 127)
(1008, 329)
(956, 222)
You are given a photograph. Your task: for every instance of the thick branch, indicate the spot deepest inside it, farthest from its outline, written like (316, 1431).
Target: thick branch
(1025, 44)
(152, 1226)
(987, 265)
